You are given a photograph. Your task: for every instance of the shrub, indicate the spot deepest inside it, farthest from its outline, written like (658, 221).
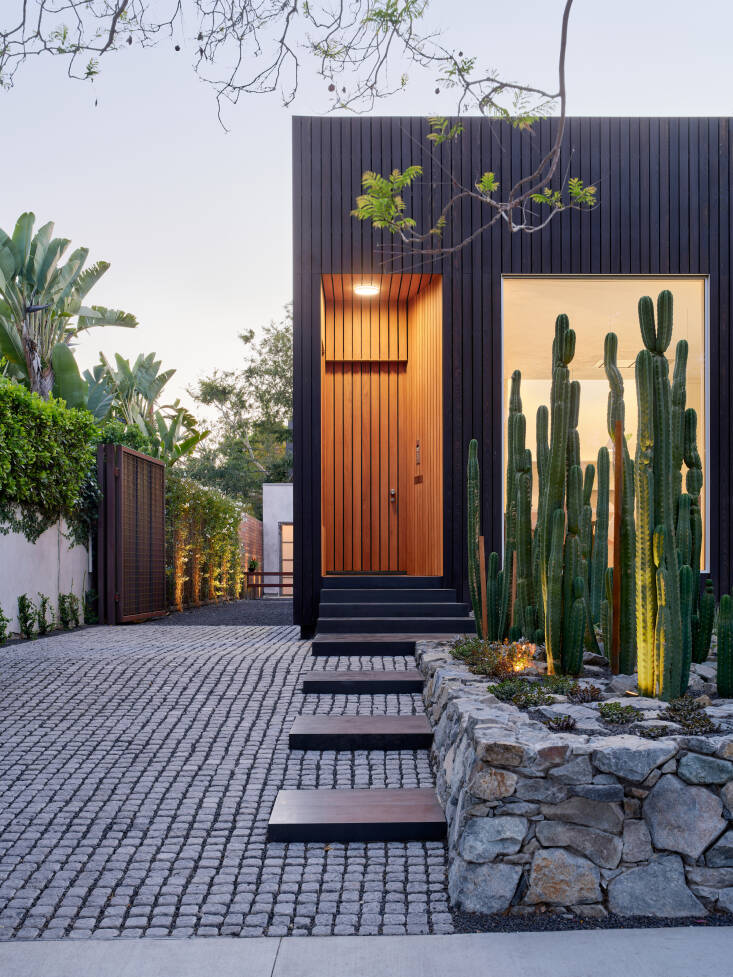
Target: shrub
(521, 692)
(26, 616)
(68, 611)
(560, 724)
(618, 715)
(583, 693)
(91, 611)
(43, 622)
(690, 716)
(492, 658)
(45, 456)
(4, 622)
(203, 551)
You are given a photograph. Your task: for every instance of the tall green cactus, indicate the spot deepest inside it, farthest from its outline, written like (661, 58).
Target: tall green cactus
(694, 488)
(523, 491)
(703, 626)
(646, 589)
(510, 506)
(725, 647)
(661, 666)
(599, 556)
(607, 611)
(473, 482)
(554, 594)
(685, 585)
(617, 412)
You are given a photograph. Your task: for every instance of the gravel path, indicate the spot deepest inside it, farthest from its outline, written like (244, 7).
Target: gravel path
(273, 611)
(137, 773)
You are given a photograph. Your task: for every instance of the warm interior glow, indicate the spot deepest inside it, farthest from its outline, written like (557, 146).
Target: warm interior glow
(366, 289)
(597, 305)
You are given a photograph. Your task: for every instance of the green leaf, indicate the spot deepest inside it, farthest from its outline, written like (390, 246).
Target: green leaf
(105, 317)
(11, 346)
(67, 383)
(20, 243)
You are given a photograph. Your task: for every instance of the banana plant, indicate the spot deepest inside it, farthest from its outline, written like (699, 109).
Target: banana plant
(171, 432)
(42, 307)
(133, 389)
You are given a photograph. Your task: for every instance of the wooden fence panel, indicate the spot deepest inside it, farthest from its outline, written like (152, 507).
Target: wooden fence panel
(130, 536)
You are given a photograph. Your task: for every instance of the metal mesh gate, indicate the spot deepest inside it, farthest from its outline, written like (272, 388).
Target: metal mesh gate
(131, 536)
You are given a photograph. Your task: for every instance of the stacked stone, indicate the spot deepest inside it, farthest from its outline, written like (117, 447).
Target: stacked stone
(591, 823)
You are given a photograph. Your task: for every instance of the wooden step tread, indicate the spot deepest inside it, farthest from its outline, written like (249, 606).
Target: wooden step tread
(359, 814)
(370, 682)
(361, 733)
(363, 644)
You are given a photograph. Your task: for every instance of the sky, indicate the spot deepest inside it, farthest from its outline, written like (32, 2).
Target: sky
(196, 220)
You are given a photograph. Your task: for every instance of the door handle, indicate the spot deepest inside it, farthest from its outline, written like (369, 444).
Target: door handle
(392, 495)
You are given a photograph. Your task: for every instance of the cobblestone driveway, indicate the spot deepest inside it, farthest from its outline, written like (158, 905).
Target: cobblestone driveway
(138, 767)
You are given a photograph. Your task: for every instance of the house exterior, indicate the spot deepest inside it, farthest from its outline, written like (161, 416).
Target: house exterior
(390, 387)
(277, 535)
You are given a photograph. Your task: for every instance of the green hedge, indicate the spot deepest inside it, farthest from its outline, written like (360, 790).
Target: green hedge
(204, 555)
(45, 454)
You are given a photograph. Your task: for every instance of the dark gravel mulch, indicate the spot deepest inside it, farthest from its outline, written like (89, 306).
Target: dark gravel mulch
(500, 923)
(274, 611)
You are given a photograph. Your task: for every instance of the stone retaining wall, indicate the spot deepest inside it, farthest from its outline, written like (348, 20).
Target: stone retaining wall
(591, 823)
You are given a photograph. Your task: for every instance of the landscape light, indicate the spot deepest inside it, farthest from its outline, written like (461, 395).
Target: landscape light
(366, 288)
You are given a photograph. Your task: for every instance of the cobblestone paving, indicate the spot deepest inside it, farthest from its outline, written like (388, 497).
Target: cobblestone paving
(138, 767)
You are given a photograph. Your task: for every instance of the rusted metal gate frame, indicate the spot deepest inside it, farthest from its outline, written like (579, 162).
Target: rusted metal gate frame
(111, 535)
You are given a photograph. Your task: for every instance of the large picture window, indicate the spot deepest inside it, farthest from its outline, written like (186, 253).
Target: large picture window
(595, 306)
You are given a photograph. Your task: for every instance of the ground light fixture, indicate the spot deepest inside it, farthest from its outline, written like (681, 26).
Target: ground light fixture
(366, 289)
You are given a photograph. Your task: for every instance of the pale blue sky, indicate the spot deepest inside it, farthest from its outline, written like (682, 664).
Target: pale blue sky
(148, 179)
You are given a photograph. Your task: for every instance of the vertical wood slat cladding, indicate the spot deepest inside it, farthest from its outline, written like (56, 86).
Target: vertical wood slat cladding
(664, 208)
(421, 420)
(363, 370)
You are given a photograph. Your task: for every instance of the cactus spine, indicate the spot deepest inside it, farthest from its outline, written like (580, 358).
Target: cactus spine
(725, 646)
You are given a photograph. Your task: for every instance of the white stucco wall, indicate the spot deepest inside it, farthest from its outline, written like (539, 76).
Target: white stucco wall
(277, 507)
(51, 566)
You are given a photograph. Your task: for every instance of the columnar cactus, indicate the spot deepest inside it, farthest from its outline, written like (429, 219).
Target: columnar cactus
(473, 482)
(510, 507)
(492, 597)
(725, 647)
(702, 629)
(599, 556)
(660, 663)
(617, 412)
(607, 611)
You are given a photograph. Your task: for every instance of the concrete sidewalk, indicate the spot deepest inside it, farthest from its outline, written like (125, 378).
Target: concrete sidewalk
(679, 952)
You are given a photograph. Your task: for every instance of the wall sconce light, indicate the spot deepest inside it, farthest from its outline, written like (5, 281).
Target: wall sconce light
(366, 289)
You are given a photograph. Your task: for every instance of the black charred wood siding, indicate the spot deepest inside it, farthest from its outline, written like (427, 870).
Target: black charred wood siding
(665, 208)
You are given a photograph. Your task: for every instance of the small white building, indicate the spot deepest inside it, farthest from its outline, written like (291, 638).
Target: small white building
(277, 534)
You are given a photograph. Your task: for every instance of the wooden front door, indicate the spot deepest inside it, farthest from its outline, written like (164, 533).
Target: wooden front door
(361, 452)
(381, 426)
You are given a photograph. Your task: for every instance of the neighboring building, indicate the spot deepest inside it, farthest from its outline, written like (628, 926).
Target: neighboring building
(390, 388)
(277, 534)
(250, 540)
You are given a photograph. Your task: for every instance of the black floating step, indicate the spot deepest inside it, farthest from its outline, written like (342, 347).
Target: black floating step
(375, 682)
(393, 595)
(369, 644)
(395, 625)
(380, 580)
(342, 609)
(361, 814)
(361, 733)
